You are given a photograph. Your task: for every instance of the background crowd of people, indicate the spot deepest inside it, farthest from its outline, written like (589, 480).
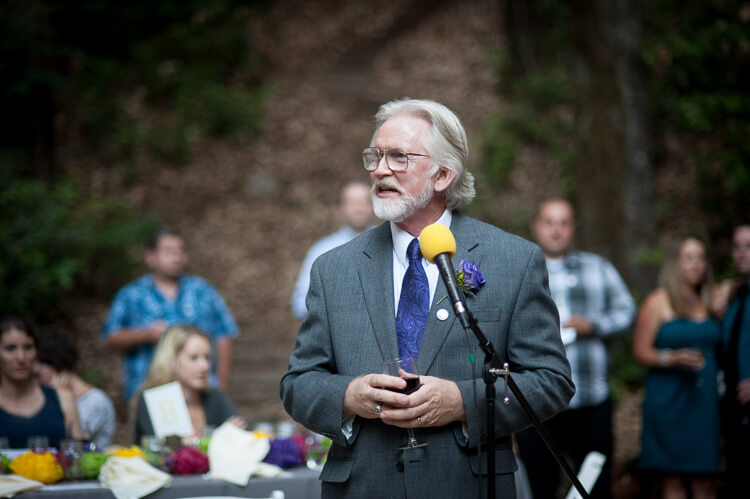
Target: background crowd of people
(691, 334)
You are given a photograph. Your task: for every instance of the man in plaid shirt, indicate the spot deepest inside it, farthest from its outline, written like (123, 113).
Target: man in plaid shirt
(594, 305)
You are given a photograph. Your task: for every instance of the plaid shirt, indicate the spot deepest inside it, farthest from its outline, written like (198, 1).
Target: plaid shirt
(139, 304)
(588, 285)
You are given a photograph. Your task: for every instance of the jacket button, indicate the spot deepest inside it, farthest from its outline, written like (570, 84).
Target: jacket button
(400, 467)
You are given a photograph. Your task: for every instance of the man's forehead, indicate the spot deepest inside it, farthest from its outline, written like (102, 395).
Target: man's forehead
(402, 130)
(742, 233)
(556, 210)
(169, 241)
(355, 192)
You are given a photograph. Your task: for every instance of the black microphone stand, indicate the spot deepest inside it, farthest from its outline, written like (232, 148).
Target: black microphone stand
(493, 369)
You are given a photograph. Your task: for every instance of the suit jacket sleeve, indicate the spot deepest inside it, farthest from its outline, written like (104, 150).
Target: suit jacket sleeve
(312, 390)
(532, 348)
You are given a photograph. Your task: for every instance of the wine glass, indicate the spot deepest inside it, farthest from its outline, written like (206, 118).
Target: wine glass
(70, 454)
(406, 369)
(37, 443)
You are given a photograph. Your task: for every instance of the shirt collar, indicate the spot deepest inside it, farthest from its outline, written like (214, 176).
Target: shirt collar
(555, 264)
(401, 238)
(351, 233)
(347, 231)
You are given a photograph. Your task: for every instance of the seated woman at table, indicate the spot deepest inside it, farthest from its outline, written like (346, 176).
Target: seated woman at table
(26, 407)
(184, 355)
(56, 361)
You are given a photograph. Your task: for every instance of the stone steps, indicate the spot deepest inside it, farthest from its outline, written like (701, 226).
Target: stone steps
(257, 370)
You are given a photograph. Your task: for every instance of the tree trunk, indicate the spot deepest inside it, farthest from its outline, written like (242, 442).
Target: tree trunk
(614, 206)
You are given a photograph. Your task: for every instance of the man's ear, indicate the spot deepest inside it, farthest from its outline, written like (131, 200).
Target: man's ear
(443, 179)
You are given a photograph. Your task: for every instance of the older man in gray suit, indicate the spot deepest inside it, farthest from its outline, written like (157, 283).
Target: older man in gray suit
(356, 321)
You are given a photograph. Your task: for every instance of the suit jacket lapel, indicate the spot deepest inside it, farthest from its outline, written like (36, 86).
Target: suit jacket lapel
(376, 279)
(436, 330)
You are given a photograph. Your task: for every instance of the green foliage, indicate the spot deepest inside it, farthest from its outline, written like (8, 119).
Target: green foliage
(131, 78)
(541, 95)
(52, 239)
(200, 75)
(625, 373)
(540, 115)
(648, 255)
(700, 67)
(122, 83)
(498, 150)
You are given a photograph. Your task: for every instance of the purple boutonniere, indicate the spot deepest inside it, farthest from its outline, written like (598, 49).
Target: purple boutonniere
(469, 277)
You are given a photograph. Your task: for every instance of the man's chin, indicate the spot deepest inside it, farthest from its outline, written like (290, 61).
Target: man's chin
(390, 211)
(557, 251)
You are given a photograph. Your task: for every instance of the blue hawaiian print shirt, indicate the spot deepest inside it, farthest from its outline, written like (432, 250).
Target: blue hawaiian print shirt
(140, 303)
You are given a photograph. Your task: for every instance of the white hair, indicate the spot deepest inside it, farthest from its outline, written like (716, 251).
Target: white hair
(447, 144)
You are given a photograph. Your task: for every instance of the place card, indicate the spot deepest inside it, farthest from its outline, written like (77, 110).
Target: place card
(168, 411)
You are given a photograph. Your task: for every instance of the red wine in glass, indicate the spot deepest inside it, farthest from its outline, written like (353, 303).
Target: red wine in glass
(412, 384)
(406, 369)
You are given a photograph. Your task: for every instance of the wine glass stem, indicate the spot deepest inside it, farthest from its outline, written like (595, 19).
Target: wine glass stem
(412, 440)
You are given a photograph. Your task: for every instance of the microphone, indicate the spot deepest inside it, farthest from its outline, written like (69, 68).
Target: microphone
(438, 246)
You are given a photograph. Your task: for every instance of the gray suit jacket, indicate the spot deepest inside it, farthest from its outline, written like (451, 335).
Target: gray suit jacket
(350, 330)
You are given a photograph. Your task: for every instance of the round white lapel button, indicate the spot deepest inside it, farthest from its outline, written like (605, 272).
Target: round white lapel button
(442, 314)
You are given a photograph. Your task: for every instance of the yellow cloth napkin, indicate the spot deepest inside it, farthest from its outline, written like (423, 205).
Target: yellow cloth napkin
(236, 454)
(15, 484)
(132, 477)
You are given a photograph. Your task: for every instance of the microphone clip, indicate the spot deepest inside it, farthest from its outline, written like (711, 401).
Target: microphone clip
(504, 372)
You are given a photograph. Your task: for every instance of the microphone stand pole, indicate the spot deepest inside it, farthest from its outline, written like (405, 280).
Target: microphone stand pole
(493, 369)
(441, 239)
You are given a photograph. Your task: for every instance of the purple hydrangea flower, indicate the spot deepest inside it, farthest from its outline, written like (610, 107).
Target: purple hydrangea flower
(469, 277)
(284, 453)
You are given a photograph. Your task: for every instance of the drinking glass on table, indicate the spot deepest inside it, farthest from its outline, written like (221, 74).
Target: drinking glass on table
(37, 443)
(406, 369)
(3, 445)
(71, 452)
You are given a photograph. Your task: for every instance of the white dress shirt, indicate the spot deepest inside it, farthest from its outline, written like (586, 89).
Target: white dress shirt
(401, 240)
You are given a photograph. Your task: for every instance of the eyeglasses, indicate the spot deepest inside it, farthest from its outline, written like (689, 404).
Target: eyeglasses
(396, 159)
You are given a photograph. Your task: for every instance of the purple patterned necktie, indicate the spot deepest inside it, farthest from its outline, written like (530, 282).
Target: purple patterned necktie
(413, 305)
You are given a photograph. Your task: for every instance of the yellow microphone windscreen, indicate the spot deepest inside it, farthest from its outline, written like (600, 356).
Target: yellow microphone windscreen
(436, 239)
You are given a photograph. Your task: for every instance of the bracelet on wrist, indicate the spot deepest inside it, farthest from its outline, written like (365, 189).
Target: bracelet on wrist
(664, 357)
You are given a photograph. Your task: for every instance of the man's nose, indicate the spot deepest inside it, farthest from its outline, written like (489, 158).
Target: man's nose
(383, 169)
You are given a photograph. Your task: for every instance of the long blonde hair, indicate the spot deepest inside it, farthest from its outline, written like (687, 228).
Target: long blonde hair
(162, 369)
(671, 280)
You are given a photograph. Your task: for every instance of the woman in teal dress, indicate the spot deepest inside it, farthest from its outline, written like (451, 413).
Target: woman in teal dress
(675, 337)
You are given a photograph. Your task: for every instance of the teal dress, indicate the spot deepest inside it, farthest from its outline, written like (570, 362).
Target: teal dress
(681, 407)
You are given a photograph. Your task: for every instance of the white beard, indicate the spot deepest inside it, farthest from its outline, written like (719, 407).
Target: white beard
(403, 207)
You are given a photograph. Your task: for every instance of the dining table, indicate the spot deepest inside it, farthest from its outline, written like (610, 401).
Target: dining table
(296, 483)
